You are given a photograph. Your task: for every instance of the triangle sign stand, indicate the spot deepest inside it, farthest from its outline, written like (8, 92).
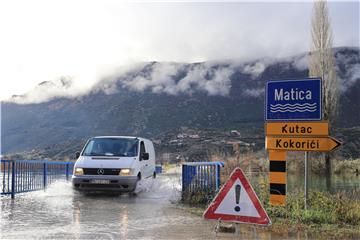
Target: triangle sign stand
(237, 202)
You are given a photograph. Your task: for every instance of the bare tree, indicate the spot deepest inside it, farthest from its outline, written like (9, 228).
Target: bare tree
(322, 64)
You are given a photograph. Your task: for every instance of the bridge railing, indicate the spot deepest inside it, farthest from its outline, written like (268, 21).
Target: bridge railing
(201, 176)
(18, 176)
(158, 169)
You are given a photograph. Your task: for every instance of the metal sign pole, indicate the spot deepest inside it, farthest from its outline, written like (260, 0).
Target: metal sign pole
(306, 185)
(237, 229)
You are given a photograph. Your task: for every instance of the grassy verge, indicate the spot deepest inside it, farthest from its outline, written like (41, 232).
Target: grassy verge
(328, 215)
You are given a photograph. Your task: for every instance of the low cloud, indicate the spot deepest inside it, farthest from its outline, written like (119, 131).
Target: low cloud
(168, 77)
(175, 78)
(172, 78)
(301, 62)
(254, 69)
(70, 87)
(47, 90)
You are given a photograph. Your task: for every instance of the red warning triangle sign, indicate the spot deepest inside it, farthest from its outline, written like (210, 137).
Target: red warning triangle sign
(237, 202)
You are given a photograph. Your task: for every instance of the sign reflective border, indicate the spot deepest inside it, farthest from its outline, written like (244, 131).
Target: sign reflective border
(297, 128)
(319, 144)
(237, 202)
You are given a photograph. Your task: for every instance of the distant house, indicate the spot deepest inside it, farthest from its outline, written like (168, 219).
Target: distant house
(194, 136)
(181, 135)
(234, 133)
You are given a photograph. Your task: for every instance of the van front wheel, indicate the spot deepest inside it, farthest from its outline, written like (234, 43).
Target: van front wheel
(154, 175)
(138, 179)
(132, 193)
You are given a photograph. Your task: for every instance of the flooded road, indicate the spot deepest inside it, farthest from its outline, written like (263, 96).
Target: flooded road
(153, 213)
(61, 213)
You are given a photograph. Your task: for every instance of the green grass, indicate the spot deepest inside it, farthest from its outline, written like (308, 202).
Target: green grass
(323, 208)
(327, 216)
(198, 198)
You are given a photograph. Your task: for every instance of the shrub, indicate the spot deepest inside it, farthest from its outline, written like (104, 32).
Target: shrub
(199, 198)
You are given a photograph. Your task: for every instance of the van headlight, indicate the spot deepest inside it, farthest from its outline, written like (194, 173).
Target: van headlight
(125, 172)
(79, 171)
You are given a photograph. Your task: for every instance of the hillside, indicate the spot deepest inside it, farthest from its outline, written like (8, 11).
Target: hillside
(155, 99)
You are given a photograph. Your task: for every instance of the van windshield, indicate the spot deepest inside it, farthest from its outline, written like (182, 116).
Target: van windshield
(121, 147)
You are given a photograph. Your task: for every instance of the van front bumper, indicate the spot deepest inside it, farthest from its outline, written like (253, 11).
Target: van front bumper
(104, 183)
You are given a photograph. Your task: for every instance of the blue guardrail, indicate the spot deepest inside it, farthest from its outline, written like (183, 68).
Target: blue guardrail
(201, 176)
(158, 169)
(18, 176)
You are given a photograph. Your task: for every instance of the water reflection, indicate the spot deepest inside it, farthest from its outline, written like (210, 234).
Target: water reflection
(61, 213)
(344, 183)
(123, 223)
(340, 183)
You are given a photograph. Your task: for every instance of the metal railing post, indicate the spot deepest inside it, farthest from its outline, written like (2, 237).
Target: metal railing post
(217, 176)
(13, 175)
(67, 171)
(45, 177)
(183, 177)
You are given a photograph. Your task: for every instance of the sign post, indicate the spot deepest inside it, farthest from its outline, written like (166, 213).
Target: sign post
(277, 177)
(306, 185)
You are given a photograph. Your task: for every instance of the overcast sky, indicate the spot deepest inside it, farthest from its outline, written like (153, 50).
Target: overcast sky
(42, 40)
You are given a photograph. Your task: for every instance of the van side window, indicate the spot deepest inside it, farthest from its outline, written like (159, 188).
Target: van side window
(142, 148)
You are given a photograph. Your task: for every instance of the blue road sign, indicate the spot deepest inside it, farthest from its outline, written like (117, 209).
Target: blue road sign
(293, 100)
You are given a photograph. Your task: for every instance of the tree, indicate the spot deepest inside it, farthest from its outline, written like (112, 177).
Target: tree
(322, 64)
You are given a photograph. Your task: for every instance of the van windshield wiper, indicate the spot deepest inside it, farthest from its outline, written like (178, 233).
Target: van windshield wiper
(95, 154)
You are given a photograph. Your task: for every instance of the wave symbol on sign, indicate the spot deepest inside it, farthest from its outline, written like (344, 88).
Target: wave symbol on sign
(297, 107)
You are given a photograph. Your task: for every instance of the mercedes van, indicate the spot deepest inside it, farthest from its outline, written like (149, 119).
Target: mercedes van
(113, 163)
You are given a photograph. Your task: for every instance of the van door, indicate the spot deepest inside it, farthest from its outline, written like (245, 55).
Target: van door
(145, 167)
(151, 161)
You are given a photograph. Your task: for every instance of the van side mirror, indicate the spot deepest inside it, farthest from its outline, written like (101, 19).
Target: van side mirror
(145, 156)
(77, 155)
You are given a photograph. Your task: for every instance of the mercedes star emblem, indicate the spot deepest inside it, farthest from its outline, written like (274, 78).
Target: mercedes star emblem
(100, 171)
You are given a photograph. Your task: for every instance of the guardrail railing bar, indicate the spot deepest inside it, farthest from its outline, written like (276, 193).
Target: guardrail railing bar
(201, 176)
(19, 176)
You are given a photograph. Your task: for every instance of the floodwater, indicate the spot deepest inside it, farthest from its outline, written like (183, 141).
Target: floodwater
(61, 213)
(347, 183)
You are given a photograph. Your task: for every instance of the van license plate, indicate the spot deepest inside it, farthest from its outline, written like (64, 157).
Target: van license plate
(100, 181)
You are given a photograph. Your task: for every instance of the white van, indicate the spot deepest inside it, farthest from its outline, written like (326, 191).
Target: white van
(113, 163)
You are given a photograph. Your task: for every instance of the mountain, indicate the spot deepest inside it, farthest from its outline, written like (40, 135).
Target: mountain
(155, 98)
